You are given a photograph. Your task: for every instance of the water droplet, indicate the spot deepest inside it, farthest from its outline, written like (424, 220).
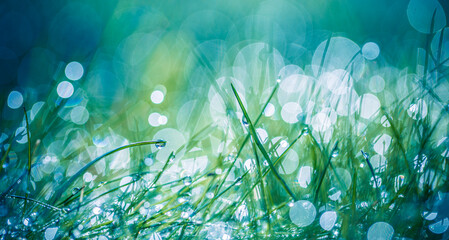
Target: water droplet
(210, 195)
(160, 144)
(291, 203)
(365, 155)
(335, 153)
(305, 131)
(245, 121)
(96, 210)
(26, 222)
(75, 190)
(187, 180)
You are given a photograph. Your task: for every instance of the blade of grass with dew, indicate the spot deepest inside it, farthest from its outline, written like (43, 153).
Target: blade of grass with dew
(266, 172)
(260, 146)
(67, 184)
(366, 157)
(398, 139)
(247, 138)
(263, 191)
(323, 174)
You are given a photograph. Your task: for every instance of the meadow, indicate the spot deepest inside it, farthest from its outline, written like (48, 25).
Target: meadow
(224, 120)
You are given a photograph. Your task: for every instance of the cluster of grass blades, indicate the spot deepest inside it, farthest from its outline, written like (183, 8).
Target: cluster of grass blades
(245, 192)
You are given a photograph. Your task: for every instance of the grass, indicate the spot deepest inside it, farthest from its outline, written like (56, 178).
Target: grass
(244, 190)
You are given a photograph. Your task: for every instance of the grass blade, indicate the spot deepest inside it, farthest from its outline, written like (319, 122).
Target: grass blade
(252, 130)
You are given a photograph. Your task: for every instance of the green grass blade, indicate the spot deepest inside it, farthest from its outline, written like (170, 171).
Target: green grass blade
(252, 130)
(72, 179)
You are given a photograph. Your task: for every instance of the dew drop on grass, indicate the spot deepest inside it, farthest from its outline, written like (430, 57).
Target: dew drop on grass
(244, 121)
(380, 230)
(305, 131)
(210, 195)
(161, 144)
(75, 190)
(26, 222)
(96, 210)
(335, 153)
(187, 180)
(334, 194)
(302, 213)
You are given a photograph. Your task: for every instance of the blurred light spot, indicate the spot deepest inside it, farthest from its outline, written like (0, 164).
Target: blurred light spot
(284, 144)
(328, 219)
(384, 121)
(440, 226)
(290, 112)
(382, 143)
(15, 99)
(370, 51)
(417, 110)
(153, 119)
(175, 140)
(87, 177)
(162, 120)
(321, 122)
(65, 89)
(302, 213)
(420, 12)
(305, 176)
(368, 106)
(290, 163)
(443, 52)
(125, 181)
(429, 216)
(380, 230)
(263, 135)
(376, 84)
(21, 135)
(79, 115)
(379, 163)
(269, 110)
(50, 233)
(157, 96)
(74, 71)
(340, 53)
(338, 81)
(149, 161)
(96, 210)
